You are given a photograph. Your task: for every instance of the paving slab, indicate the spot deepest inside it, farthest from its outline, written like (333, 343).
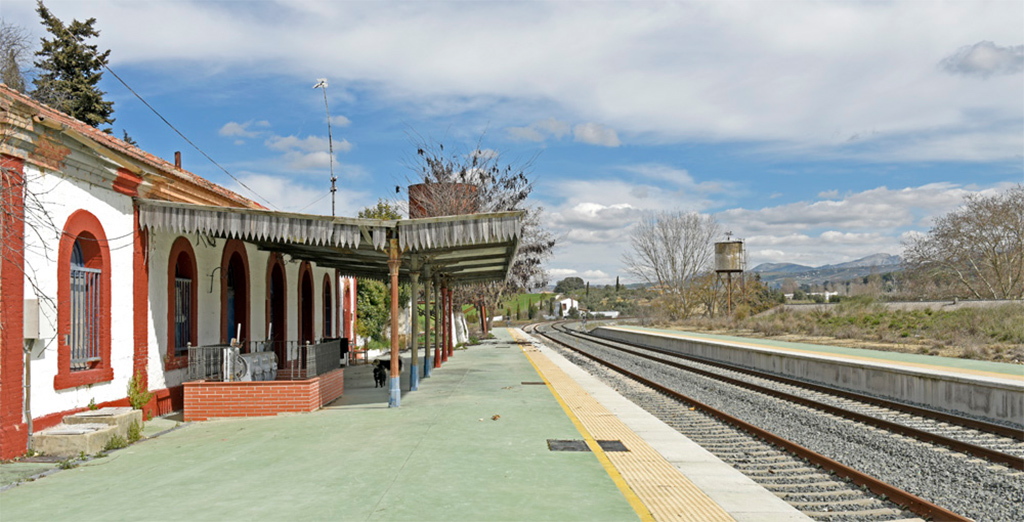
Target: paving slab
(438, 457)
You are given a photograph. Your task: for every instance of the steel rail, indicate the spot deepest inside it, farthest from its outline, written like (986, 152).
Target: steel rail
(956, 445)
(996, 429)
(903, 498)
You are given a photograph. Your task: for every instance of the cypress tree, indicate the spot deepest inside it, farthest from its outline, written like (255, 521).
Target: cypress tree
(70, 70)
(617, 284)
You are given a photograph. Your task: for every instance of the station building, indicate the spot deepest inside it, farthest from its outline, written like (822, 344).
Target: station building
(115, 261)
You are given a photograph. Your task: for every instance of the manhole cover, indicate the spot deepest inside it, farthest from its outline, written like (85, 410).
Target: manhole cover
(612, 445)
(567, 445)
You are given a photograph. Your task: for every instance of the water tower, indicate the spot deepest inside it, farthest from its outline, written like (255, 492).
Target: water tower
(730, 259)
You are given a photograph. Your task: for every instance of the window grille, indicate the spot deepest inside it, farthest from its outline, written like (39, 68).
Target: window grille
(84, 339)
(183, 314)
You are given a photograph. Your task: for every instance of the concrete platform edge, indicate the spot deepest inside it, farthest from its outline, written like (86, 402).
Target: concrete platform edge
(744, 499)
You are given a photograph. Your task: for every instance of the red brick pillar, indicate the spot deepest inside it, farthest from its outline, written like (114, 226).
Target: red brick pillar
(13, 431)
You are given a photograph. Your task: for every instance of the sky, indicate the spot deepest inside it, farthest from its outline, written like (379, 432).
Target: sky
(818, 132)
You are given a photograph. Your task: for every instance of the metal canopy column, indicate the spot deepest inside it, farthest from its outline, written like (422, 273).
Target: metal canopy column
(437, 325)
(450, 319)
(447, 328)
(394, 263)
(414, 316)
(427, 359)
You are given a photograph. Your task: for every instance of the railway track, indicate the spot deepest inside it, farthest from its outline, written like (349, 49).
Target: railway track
(845, 454)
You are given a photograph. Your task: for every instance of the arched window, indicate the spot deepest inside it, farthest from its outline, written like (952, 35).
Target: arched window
(328, 307)
(83, 312)
(234, 297)
(306, 300)
(182, 302)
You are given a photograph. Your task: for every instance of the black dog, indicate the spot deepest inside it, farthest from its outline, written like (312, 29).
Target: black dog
(379, 375)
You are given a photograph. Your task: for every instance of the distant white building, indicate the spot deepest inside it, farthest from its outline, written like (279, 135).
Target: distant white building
(567, 304)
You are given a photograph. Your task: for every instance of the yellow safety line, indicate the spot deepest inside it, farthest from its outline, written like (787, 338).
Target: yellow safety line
(631, 496)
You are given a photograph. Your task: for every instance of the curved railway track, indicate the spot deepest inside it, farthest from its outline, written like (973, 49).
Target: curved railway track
(828, 490)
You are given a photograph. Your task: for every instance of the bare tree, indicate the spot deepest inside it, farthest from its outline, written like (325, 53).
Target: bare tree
(15, 47)
(979, 245)
(453, 182)
(670, 250)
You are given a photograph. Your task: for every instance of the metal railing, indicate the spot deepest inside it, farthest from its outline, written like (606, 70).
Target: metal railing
(265, 360)
(182, 314)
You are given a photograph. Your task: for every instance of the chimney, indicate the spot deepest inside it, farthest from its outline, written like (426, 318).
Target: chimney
(177, 159)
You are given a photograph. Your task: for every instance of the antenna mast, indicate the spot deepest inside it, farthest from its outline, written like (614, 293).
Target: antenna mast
(321, 83)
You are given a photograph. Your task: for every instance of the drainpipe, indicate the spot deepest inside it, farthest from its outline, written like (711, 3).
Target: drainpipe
(27, 347)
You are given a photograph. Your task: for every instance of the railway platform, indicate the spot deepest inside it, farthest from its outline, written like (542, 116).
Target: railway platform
(472, 443)
(986, 390)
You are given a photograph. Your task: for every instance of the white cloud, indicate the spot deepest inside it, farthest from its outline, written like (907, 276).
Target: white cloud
(985, 59)
(540, 130)
(242, 130)
(340, 121)
(290, 194)
(835, 230)
(306, 153)
(809, 77)
(596, 134)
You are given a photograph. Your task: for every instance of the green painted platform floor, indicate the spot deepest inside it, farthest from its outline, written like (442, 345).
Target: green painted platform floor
(439, 457)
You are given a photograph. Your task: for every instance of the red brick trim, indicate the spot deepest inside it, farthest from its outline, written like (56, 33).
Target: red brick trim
(306, 273)
(338, 328)
(181, 247)
(208, 400)
(277, 260)
(127, 182)
(164, 401)
(84, 226)
(13, 432)
(140, 299)
(232, 247)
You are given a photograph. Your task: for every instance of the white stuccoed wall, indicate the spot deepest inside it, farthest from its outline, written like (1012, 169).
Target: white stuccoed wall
(207, 259)
(62, 197)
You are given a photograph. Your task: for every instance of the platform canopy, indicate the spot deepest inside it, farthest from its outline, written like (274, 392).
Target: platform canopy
(467, 249)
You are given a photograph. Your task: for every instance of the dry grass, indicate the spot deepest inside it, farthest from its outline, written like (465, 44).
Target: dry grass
(993, 334)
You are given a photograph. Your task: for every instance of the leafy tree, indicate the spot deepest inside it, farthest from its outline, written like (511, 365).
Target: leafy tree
(70, 70)
(14, 51)
(979, 245)
(382, 210)
(569, 284)
(373, 299)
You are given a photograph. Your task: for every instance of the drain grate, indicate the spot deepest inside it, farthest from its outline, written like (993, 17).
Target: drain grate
(580, 445)
(533, 383)
(567, 445)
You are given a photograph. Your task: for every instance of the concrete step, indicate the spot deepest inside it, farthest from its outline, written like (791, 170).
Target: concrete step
(121, 418)
(69, 440)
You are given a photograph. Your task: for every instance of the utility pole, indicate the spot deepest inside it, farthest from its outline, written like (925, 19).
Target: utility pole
(321, 83)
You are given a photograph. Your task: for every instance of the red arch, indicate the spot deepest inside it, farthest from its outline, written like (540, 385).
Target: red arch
(307, 298)
(84, 226)
(328, 307)
(280, 332)
(232, 247)
(181, 247)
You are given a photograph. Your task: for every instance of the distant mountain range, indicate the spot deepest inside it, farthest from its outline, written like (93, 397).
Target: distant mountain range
(775, 273)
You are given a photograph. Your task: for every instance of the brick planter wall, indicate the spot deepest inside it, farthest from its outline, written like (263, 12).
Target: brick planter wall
(206, 400)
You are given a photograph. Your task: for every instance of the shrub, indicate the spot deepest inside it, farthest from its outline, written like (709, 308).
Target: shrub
(134, 432)
(116, 442)
(138, 396)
